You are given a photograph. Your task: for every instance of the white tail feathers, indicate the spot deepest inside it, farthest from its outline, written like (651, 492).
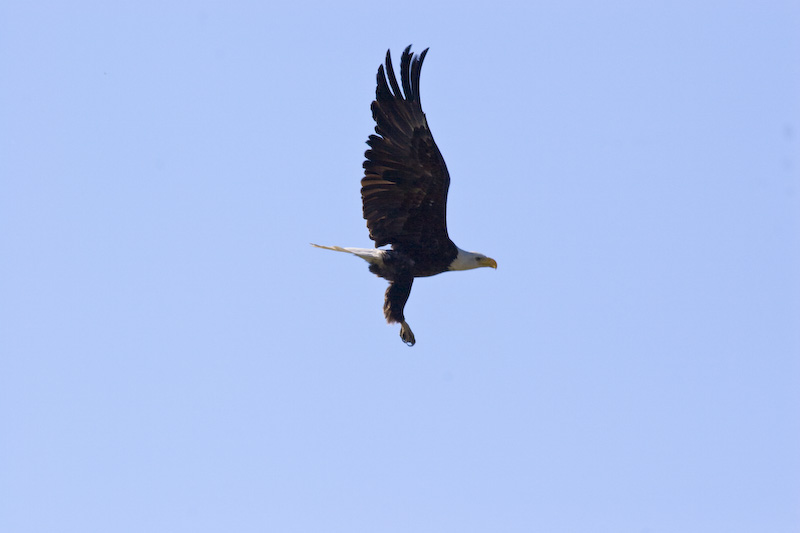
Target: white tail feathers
(334, 248)
(371, 255)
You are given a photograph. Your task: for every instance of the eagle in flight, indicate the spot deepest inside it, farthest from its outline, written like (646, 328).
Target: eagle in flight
(404, 194)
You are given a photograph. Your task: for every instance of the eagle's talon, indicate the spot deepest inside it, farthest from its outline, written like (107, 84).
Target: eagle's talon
(406, 334)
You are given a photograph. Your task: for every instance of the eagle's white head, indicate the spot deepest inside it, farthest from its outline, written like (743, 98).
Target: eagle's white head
(469, 260)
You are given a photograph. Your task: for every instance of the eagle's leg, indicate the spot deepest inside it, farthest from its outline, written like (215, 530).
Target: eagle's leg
(397, 268)
(406, 334)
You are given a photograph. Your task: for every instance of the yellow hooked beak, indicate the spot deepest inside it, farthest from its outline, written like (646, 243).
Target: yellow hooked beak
(487, 262)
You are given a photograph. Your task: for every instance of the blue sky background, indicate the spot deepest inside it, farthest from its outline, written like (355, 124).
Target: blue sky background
(176, 357)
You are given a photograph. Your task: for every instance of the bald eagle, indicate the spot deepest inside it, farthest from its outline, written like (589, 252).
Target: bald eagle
(404, 194)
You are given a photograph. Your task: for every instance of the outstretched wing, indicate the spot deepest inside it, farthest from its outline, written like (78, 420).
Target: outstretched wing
(404, 189)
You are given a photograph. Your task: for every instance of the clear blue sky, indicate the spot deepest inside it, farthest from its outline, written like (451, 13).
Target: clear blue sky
(176, 357)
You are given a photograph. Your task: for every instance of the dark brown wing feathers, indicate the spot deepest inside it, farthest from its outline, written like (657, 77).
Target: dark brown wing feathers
(404, 189)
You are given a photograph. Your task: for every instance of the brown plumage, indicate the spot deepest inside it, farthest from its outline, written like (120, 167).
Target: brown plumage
(404, 189)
